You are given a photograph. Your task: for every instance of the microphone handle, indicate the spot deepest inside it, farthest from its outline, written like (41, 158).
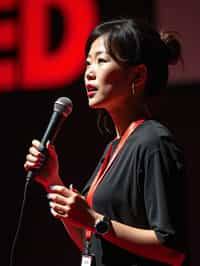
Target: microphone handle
(50, 135)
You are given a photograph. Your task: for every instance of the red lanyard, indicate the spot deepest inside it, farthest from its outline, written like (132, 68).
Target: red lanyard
(107, 164)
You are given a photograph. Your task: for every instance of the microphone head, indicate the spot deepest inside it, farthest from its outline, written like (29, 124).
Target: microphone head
(64, 106)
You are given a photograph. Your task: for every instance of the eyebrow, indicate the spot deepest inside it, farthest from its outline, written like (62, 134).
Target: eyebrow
(97, 53)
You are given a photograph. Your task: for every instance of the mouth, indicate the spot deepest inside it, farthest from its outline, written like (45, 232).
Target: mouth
(91, 90)
(90, 94)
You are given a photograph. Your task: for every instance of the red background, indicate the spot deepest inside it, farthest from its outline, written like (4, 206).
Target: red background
(26, 107)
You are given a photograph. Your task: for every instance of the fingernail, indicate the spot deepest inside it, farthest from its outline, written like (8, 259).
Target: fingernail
(50, 204)
(48, 196)
(52, 187)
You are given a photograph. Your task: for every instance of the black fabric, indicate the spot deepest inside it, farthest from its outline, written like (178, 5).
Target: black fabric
(143, 188)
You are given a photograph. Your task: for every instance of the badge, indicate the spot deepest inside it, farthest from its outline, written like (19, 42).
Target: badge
(87, 260)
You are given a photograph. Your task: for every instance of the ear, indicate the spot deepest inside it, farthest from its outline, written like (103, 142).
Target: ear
(139, 76)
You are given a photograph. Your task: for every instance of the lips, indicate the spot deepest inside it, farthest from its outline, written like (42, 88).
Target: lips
(91, 90)
(90, 87)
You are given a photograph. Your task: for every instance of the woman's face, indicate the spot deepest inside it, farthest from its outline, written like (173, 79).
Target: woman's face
(107, 82)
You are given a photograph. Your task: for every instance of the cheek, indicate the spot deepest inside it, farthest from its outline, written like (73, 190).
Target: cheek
(84, 77)
(117, 79)
(108, 76)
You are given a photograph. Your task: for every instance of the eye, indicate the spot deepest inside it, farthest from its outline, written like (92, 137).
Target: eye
(87, 63)
(101, 60)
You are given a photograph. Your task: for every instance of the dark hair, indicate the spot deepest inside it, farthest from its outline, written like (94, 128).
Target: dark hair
(132, 42)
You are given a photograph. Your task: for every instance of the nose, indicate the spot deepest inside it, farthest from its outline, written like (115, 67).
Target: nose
(90, 74)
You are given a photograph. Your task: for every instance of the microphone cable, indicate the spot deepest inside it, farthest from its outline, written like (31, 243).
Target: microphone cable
(61, 110)
(19, 223)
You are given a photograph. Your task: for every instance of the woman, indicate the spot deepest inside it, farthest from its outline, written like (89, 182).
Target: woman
(129, 212)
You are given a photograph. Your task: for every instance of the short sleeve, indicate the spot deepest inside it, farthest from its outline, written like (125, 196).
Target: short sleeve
(163, 193)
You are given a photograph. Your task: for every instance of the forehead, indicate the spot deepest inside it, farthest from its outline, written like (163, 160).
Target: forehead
(98, 46)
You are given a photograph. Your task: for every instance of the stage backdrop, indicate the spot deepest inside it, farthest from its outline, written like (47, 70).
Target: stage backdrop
(41, 59)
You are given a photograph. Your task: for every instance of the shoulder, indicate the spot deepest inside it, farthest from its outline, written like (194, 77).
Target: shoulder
(153, 136)
(150, 132)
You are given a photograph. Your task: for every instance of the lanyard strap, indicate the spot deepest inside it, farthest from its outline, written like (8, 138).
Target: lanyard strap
(107, 164)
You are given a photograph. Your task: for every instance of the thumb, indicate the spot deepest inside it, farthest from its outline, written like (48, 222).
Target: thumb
(50, 148)
(76, 191)
(73, 189)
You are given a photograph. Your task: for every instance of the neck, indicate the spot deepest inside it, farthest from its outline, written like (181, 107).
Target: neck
(123, 117)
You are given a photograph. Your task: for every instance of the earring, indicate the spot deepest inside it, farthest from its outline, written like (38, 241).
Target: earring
(133, 88)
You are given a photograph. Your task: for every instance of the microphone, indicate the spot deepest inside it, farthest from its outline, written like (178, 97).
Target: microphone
(62, 109)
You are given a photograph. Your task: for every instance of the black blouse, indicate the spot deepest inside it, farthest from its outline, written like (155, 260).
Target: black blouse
(143, 188)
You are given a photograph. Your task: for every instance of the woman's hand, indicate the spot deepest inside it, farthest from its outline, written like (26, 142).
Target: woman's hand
(69, 204)
(46, 165)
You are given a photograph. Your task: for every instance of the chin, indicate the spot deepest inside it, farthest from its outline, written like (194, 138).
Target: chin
(95, 104)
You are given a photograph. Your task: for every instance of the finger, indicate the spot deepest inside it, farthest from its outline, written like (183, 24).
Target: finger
(55, 214)
(29, 165)
(34, 151)
(51, 150)
(26, 166)
(59, 199)
(33, 159)
(50, 146)
(36, 143)
(59, 209)
(71, 187)
(62, 190)
(70, 193)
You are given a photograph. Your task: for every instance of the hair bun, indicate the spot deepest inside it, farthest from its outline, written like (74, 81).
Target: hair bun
(172, 42)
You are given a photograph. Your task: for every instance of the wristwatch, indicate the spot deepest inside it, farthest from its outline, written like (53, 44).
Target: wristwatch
(102, 225)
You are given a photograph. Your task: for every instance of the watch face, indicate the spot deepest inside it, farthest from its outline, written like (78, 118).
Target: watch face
(102, 227)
